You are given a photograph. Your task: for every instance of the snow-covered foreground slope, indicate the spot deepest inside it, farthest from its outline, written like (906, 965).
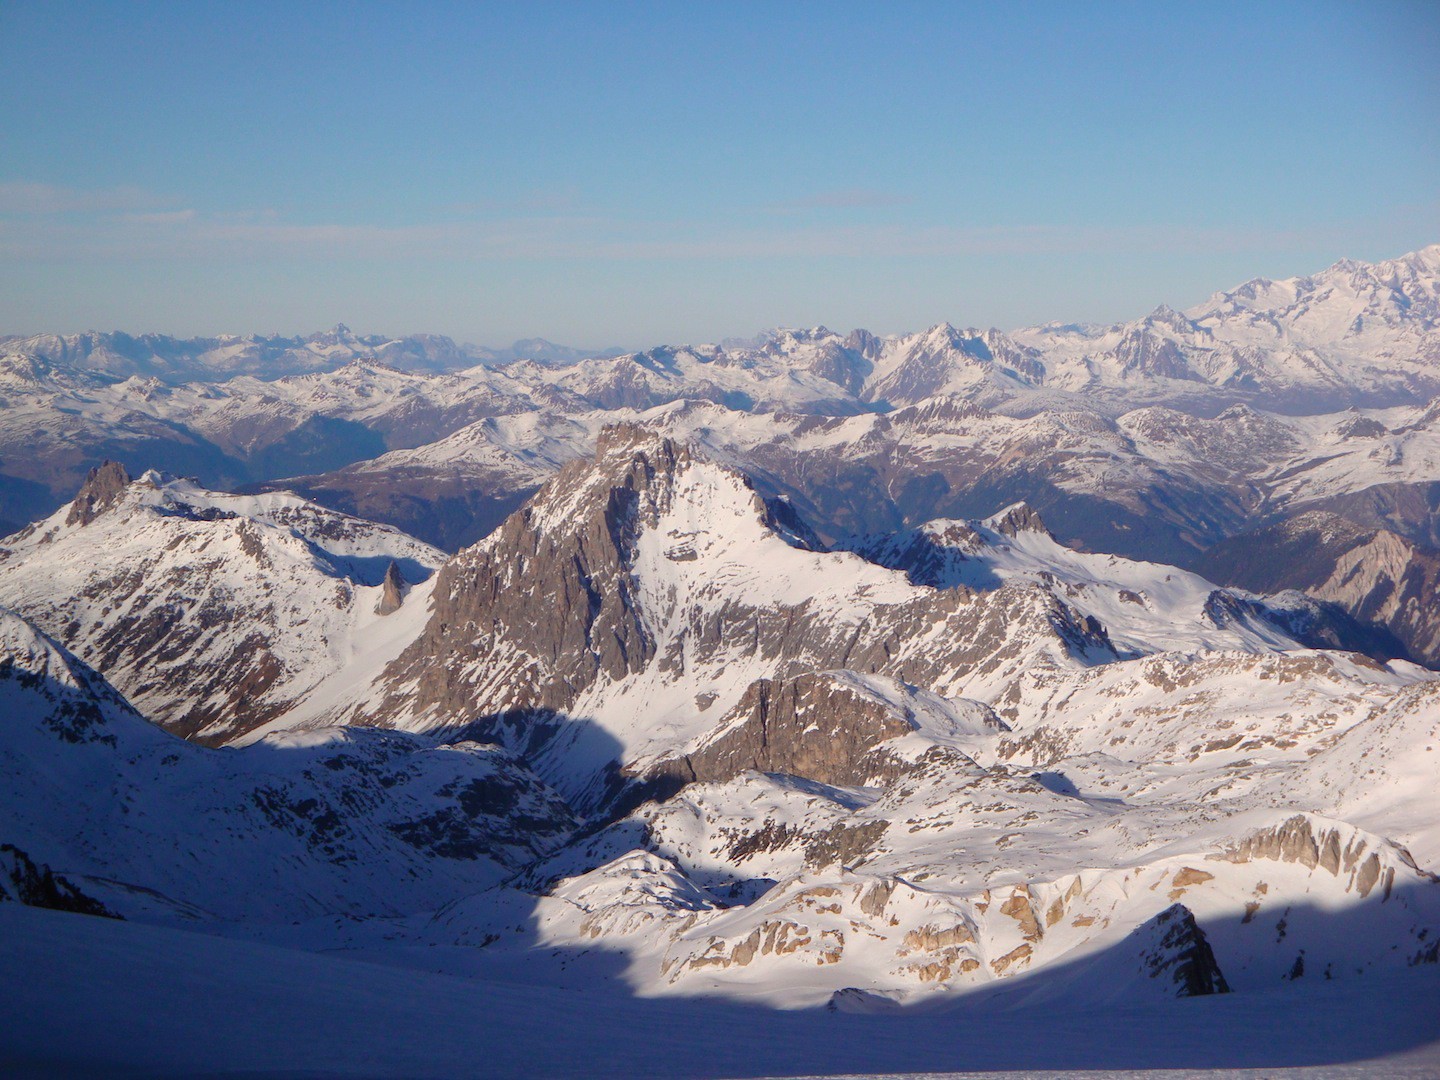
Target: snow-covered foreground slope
(213, 613)
(76, 1007)
(970, 865)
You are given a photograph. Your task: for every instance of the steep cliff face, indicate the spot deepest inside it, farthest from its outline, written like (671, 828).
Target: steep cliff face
(1376, 576)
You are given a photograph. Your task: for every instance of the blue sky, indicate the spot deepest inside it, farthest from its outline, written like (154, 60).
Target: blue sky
(626, 174)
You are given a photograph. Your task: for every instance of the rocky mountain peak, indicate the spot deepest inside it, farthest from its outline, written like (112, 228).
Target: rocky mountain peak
(638, 439)
(865, 343)
(1166, 316)
(102, 488)
(1013, 520)
(546, 605)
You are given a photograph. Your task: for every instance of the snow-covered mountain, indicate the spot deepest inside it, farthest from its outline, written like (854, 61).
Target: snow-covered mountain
(172, 360)
(1354, 335)
(213, 613)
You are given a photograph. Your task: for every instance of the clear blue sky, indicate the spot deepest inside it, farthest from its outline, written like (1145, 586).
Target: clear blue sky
(630, 173)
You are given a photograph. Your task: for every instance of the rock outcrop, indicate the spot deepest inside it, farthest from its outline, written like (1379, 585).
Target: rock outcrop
(820, 726)
(1364, 861)
(1181, 955)
(393, 589)
(103, 486)
(39, 886)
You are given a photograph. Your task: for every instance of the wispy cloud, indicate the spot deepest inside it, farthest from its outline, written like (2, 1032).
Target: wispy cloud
(44, 230)
(841, 199)
(29, 197)
(160, 217)
(566, 199)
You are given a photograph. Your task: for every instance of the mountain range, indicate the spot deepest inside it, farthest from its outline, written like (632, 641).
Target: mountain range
(1060, 669)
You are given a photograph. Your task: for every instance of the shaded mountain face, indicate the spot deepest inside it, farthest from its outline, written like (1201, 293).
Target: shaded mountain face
(103, 808)
(1374, 575)
(836, 728)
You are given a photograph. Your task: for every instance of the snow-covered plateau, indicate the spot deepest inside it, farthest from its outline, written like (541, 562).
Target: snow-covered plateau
(951, 702)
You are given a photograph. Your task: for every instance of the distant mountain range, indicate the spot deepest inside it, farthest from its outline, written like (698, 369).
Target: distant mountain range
(1353, 328)
(245, 410)
(215, 359)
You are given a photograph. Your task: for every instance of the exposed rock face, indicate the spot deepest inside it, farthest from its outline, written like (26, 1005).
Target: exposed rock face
(933, 555)
(103, 486)
(38, 886)
(546, 604)
(393, 590)
(1362, 860)
(1373, 574)
(1182, 956)
(779, 937)
(1142, 352)
(819, 726)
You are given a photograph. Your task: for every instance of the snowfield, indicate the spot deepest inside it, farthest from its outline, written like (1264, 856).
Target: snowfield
(208, 1004)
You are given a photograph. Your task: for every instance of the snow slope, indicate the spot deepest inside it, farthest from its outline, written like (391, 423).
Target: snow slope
(339, 822)
(204, 998)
